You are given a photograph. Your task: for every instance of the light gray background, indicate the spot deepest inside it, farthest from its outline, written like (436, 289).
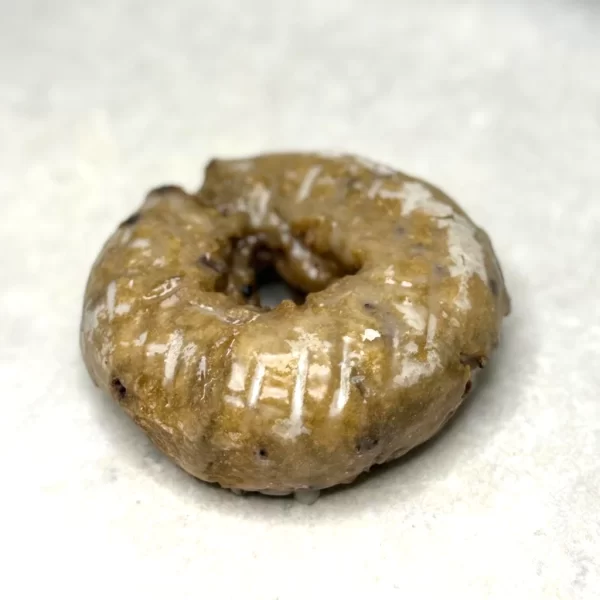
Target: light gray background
(496, 102)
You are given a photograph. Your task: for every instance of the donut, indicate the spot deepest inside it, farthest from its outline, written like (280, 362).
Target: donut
(401, 300)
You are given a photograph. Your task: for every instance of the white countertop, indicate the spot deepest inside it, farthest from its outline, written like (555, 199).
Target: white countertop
(496, 102)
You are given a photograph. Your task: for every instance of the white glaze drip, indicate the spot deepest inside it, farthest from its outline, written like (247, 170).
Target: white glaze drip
(122, 309)
(374, 189)
(154, 349)
(258, 204)
(374, 167)
(163, 289)
(202, 368)
(413, 371)
(415, 196)
(411, 347)
(465, 251)
(370, 335)
(414, 316)
(431, 330)
(189, 352)
(390, 276)
(140, 243)
(277, 393)
(301, 254)
(174, 346)
(256, 385)
(234, 401)
(237, 377)
(140, 341)
(170, 301)
(307, 183)
(298, 394)
(386, 194)
(91, 319)
(342, 394)
(213, 312)
(126, 236)
(467, 257)
(111, 296)
(318, 380)
(242, 166)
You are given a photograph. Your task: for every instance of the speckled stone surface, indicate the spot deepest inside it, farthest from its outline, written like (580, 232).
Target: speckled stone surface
(496, 102)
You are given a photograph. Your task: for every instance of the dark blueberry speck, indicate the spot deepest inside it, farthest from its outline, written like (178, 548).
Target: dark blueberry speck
(119, 389)
(468, 388)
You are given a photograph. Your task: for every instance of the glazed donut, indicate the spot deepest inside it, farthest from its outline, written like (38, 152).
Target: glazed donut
(404, 300)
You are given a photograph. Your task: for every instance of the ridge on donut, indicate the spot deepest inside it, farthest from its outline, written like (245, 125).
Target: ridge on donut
(404, 302)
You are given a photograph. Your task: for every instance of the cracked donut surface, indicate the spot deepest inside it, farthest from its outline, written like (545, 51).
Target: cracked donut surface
(404, 302)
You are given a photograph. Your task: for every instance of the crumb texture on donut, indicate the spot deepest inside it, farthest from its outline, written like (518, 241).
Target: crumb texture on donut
(401, 300)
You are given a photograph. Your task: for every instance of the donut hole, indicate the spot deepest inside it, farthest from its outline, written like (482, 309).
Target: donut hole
(265, 267)
(254, 274)
(272, 288)
(292, 272)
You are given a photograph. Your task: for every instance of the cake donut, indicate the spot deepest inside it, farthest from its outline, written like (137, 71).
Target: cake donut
(403, 303)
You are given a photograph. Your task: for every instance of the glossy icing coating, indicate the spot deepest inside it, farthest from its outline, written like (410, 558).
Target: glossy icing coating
(405, 300)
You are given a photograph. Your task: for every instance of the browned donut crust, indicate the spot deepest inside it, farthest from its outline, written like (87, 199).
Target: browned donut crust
(405, 300)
